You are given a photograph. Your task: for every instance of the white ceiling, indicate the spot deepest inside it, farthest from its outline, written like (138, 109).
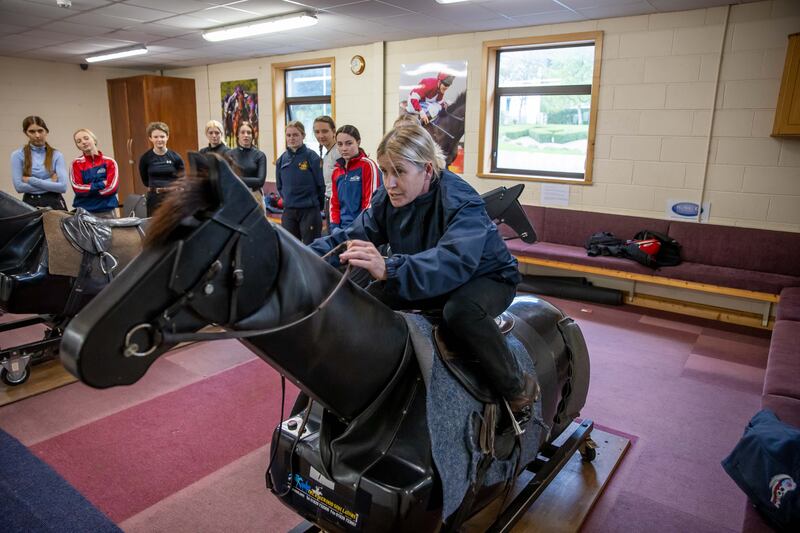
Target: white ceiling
(171, 29)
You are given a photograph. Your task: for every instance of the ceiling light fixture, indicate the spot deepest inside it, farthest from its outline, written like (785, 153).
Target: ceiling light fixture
(261, 26)
(449, 1)
(118, 53)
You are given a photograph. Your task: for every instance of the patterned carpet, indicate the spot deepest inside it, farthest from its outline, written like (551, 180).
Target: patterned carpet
(185, 448)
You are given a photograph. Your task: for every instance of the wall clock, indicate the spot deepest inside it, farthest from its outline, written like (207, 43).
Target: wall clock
(357, 65)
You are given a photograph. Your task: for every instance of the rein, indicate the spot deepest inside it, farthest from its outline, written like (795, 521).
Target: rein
(437, 126)
(159, 336)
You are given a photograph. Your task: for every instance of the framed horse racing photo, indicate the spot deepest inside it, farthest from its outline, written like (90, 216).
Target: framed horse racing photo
(239, 101)
(435, 94)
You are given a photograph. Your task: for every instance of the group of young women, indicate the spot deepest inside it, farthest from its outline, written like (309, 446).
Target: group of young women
(446, 252)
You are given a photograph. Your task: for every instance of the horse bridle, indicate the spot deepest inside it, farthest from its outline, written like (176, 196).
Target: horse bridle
(160, 335)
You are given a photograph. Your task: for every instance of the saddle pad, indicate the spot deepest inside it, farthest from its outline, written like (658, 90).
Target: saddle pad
(452, 416)
(65, 260)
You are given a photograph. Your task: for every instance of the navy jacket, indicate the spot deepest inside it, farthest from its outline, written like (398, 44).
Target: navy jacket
(440, 241)
(298, 176)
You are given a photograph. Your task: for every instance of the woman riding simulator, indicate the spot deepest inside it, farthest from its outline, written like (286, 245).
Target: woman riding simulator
(37, 169)
(446, 254)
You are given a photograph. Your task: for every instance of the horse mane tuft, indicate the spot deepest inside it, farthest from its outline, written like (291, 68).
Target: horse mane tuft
(193, 193)
(460, 100)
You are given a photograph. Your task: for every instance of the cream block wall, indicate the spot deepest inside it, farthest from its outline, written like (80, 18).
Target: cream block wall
(659, 134)
(65, 96)
(358, 99)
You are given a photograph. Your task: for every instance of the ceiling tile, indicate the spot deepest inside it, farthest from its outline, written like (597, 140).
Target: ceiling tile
(6, 29)
(13, 43)
(548, 18)
(78, 30)
(43, 38)
(134, 13)
(323, 4)
(93, 18)
(517, 8)
(186, 22)
(625, 10)
(370, 10)
(77, 5)
(41, 11)
(21, 19)
(133, 35)
(175, 7)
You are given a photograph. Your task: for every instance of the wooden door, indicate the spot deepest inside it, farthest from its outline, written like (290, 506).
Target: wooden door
(173, 101)
(120, 132)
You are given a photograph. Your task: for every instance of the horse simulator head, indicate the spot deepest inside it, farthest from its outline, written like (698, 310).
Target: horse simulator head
(503, 207)
(190, 274)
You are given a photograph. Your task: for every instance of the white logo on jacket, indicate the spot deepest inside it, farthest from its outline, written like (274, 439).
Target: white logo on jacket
(778, 487)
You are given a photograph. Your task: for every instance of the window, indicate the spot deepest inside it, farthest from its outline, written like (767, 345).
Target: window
(541, 108)
(302, 90)
(308, 94)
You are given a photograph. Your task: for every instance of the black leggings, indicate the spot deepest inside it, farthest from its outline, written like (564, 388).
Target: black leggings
(469, 313)
(304, 223)
(48, 199)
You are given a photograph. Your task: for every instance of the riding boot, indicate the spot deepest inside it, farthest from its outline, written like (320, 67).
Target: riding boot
(522, 404)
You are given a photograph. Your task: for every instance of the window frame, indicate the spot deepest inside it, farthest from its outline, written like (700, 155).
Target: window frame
(280, 102)
(490, 101)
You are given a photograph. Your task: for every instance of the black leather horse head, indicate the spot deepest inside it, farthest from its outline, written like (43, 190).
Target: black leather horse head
(210, 258)
(503, 207)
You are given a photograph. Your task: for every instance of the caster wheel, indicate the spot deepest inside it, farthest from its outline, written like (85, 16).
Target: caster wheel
(13, 379)
(588, 451)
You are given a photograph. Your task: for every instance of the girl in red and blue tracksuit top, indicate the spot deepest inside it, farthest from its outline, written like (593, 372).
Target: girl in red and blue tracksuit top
(354, 179)
(94, 177)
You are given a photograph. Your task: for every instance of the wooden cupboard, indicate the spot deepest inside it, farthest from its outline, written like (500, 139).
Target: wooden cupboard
(787, 113)
(139, 100)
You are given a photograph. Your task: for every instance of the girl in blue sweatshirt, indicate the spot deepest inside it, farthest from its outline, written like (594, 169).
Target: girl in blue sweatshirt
(298, 176)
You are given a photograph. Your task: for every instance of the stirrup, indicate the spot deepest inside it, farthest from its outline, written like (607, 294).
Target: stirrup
(514, 423)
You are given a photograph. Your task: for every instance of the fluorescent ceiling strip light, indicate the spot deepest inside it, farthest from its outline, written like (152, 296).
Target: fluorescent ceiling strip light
(118, 53)
(449, 1)
(260, 27)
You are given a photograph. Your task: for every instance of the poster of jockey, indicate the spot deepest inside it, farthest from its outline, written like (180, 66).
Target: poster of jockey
(435, 94)
(239, 103)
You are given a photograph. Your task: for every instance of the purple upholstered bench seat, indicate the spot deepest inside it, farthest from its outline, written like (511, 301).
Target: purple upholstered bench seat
(783, 362)
(789, 308)
(737, 278)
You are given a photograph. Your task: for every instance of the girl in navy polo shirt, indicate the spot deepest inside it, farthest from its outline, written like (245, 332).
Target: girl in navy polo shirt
(299, 180)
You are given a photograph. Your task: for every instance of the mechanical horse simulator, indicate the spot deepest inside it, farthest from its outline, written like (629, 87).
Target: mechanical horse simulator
(400, 432)
(29, 286)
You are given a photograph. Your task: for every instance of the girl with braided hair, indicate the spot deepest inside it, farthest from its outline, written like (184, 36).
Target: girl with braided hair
(37, 169)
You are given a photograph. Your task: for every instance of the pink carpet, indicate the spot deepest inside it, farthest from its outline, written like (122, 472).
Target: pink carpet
(185, 448)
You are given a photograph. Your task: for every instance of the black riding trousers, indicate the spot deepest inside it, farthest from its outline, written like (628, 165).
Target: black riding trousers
(469, 314)
(305, 223)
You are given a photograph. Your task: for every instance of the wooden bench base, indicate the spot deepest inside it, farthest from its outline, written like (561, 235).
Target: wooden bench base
(762, 320)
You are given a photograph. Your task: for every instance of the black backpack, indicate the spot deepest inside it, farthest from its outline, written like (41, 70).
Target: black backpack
(670, 252)
(605, 243)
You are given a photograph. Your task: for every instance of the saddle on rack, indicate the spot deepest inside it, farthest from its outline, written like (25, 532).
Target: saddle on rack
(464, 366)
(92, 235)
(70, 236)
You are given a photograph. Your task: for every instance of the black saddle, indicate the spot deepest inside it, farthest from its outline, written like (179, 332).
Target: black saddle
(21, 233)
(463, 365)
